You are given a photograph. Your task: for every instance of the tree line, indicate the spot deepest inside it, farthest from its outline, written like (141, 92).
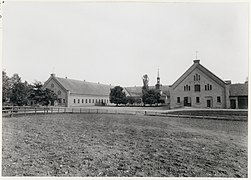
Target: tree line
(149, 96)
(18, 93)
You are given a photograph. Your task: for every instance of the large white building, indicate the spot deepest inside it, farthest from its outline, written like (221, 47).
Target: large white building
(76, 93)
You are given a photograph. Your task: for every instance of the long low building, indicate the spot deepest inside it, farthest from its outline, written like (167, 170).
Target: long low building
(76, 93)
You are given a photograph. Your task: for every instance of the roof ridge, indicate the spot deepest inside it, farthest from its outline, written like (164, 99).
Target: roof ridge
(82, 81)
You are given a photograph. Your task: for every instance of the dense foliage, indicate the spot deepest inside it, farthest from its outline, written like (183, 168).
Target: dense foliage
(42, 96)
(18, 93)
(117, 95)
(151, 97)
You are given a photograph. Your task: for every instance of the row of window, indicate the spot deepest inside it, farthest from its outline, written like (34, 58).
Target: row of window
(197, 88)
(198, 99)
(196, 77)
(86, 101)
(186, 88)
(60, 100)
(208, 87)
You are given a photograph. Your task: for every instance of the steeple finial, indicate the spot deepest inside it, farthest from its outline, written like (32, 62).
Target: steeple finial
(196, 52)
(158, 71)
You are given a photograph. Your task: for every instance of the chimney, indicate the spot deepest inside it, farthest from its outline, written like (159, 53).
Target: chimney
(228, 82)
(65, 77)
(53, 75)
(196, 61)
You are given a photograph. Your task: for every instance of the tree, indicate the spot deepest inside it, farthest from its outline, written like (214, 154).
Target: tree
(130, 100)
(19, 91)
(5, 87)
(151, 97)
(117, 96)
(41, 96)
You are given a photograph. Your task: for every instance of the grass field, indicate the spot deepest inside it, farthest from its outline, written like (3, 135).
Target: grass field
(123, 145)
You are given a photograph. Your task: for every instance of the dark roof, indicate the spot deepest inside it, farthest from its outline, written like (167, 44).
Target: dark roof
(137, 90)
(134, 91)
(83, 87)
(238, 89)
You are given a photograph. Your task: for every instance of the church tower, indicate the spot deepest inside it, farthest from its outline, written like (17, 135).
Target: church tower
(158, 85)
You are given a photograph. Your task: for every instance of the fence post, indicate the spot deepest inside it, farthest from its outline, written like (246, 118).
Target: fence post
(80, 110)
(97, 111)
(58, 110)
(24, 110)
(11, 111)
(64, 109)
(44, 110)
(72, 110)
(35, 110)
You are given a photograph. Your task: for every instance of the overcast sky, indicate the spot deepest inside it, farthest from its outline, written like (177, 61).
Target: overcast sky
(117, 43)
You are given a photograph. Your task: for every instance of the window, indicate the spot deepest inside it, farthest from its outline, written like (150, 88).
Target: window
(63, 100)
(96, 101)
(86, 101)
(186, 88)
(196, 77)
(197, 88)
(78, 100)
(90, 100)
(59, 92)
(197, 99)
(178, 99)
(93, 101)
(74, 100)
(52, 85)
(208, 87)
(82, 100)
(218, 99)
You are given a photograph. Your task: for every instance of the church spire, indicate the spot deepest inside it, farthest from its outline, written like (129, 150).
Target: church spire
(158, 81)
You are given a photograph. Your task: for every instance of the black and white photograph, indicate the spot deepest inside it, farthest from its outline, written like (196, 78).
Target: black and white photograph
(124, 89)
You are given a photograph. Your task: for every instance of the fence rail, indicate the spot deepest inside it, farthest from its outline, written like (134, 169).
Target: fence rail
(10, 111)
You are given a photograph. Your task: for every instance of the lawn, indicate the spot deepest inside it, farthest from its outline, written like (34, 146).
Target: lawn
(123, 145)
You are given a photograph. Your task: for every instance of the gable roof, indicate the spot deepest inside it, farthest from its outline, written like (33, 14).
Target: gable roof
(81, 87)
(201, 68)
(238, 90)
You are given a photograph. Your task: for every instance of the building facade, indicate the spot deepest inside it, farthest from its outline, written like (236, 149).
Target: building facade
(76, 93)
(197, 87)
(200, 88)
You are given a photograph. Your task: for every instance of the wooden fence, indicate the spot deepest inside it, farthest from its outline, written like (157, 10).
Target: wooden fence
(10, 111)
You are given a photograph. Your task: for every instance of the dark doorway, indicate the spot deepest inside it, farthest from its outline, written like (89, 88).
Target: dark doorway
(187, 101)
(209, 103)
(243, 102)
(233, 104)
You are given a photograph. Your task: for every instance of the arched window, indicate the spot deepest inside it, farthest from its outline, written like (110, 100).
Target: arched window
(52, 85)
(59, 92)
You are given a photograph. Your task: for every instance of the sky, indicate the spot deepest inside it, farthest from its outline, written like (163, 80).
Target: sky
(118, 42)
